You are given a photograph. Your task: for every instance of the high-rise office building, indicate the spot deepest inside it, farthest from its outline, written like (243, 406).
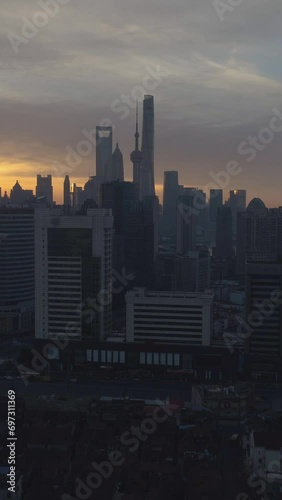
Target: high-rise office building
(147, 177)
(224, 245)
(67, 193)
(263, 327)
(73, 275)
(121, 198)
(216, 199)
(16, 270)
(168, 317)
(254, 238)
(170, 199)
(44, 189)
(237, 203)
(140, 242)
(92, 189)
(186, 223)
(186, 273)
(136, 156)
(117, 165)
(104, 148)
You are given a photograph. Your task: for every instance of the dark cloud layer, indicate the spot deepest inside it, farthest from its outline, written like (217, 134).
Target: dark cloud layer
(222, 80)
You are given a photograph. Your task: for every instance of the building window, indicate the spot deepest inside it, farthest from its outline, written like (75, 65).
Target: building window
(96, 355)
(142, 358)
(156, 358)
(109, 356)
(149, 358)
(121, 356)
(176, 360)
(103, 356)
(169, 359)
(163, 358)
(115, 356)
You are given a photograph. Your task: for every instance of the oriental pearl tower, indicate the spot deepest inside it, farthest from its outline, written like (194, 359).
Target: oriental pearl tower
(136, 156)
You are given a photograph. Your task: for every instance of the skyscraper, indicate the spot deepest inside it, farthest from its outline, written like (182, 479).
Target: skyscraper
(67, 195)
(121, 198)
(73, 275)
(147, 179)
(117, 165)
(171, 193)
(263, 326)
(254, 227)
(16, 270)
(44, 189)
(104, 148)
(216, 197)
(237, 203)
(224, 248)
(136, 155)
(186, 223)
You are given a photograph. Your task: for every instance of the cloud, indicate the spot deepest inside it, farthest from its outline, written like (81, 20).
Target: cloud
(223, 80)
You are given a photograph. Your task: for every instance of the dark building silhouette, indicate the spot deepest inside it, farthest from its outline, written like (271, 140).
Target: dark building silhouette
(147, 178)
(170, 200)
(253, 235)
(67, 193)
(186, 223)
(104, 149)
(262, 329)
(187, 273)
(136, 157)
(216, 198)
(224, 245)
(140, 249)
(44, 189)
(16, 270)
(121, 197)
(117, 165)
(237, 203)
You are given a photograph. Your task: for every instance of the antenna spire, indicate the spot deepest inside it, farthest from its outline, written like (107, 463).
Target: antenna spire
(137, 131)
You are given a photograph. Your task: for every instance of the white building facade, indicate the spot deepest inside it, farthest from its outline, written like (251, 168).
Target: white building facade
(168, 317)
(73, 269)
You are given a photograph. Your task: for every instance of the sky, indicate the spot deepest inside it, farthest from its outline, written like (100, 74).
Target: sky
(214, 70)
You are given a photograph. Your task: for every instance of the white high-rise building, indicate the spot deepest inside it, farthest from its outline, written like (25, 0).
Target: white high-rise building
(168, 317)
(73, 274)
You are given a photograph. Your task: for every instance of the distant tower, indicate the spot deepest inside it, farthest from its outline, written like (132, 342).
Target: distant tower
(44, 189)
(147, 181)
(67, 195)
(171, 193)
(136, 155)
(117, 165)
(104, 149)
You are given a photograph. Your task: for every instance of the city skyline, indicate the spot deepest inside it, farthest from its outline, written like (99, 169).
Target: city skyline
(212, 89)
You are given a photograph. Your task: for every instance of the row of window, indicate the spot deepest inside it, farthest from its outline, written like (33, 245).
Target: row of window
(159, 358)
(105, 356)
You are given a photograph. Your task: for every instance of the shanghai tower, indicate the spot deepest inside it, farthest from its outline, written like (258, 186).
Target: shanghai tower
(147, 181)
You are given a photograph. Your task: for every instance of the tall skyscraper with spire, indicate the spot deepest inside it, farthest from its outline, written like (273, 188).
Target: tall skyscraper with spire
(67, 193)
(117, 165)
(104, 149)
(147, 179)
(136, 155)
